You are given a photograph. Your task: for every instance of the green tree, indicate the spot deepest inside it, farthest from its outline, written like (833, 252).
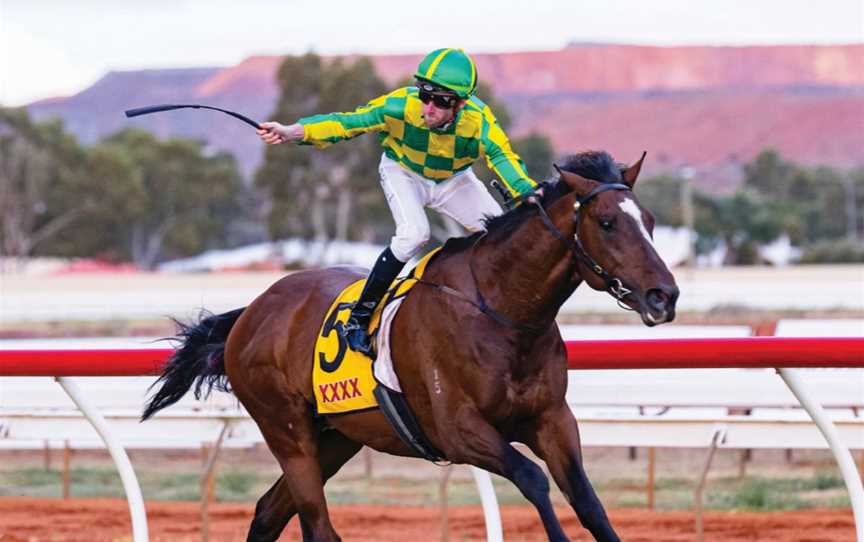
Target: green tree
(121, 188)
(44, 188)
(535, 149)
(487, 95)
(826, 217)
(769, 173)
(314, 193)
(814, 203)
(537, 153)
(662, 196)
(161, 199)
(820, 209)
(742, 221)
(855, 189)
(129, 197)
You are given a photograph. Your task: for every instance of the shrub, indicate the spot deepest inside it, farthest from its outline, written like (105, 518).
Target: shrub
(836, 251)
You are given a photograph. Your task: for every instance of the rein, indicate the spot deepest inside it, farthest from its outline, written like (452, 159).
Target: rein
(614, 286)
(480, 304)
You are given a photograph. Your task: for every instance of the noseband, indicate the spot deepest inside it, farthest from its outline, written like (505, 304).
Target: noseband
(614, 286)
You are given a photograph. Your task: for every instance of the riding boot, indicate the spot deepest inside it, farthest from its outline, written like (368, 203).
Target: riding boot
(386, 269)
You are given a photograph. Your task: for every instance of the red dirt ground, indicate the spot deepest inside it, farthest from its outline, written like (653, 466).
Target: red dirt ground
(93, 520)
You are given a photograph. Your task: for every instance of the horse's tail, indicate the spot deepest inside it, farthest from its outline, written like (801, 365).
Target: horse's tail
(199, 360)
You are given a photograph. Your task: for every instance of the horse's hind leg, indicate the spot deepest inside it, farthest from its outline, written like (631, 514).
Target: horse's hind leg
(299, 446)
(273, 511)
(555, 439)
(483, 446)
(276, 507)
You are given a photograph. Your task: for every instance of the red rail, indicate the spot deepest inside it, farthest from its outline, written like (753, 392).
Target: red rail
(750, 352)
(83, 362)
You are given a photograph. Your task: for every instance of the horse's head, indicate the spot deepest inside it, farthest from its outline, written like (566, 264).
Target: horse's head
(615, 234)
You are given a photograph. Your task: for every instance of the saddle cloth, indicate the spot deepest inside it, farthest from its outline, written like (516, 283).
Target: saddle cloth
(342, 379)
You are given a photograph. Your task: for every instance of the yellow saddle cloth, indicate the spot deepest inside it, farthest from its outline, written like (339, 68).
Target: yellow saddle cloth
(342, 378)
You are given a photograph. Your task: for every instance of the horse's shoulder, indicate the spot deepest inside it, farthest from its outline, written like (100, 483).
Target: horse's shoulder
(446, 263)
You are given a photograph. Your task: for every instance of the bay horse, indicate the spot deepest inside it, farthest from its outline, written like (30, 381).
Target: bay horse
(480, 359)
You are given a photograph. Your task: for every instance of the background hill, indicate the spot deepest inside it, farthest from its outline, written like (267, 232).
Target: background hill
(712, 108)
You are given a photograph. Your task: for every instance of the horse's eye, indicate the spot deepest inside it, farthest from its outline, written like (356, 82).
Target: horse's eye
(606, 225)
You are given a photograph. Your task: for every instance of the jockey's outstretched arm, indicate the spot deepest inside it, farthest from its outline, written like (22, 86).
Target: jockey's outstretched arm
(324, 130)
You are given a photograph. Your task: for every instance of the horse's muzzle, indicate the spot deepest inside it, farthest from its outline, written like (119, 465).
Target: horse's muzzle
(659, 305)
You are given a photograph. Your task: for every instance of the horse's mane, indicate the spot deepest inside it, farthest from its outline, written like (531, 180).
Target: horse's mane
(595, 165)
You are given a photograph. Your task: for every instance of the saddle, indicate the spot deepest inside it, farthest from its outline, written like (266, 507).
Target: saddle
(347, 381)
(344, 380)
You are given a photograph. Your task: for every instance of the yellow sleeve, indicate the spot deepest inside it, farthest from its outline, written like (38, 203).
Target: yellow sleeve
(324, 130)
(501, 158)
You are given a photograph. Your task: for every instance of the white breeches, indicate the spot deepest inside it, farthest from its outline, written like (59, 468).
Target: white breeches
(462, 197)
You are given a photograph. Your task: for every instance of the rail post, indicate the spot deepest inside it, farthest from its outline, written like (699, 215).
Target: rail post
(838, 448)
(124, 466)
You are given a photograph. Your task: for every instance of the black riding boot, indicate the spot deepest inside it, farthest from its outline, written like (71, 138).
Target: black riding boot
(386, 269)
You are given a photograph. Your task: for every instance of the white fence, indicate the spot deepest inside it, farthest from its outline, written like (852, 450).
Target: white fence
(678, 402)
(691, 402)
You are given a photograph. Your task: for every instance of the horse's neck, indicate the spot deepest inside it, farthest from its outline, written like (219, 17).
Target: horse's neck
(529, 275)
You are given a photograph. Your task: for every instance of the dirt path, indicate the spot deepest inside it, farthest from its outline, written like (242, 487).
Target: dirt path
(96, 520)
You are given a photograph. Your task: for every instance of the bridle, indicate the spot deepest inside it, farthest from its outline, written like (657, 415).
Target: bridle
(614, 286)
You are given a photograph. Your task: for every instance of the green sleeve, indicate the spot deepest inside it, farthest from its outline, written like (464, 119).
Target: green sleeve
(501, 158)
(324, 130)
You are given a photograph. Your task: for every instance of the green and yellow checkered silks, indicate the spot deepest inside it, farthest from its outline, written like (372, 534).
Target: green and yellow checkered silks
(434, 154)
(450, 68)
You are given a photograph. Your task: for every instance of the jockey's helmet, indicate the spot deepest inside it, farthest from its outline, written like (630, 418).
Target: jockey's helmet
(450, 69)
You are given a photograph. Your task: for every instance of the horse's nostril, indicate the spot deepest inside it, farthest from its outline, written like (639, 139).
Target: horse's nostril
(657, 298)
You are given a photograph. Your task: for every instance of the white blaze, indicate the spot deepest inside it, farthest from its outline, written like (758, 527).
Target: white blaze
(629, 206)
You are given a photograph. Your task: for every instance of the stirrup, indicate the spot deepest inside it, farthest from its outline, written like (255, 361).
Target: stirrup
(350, 325)
(359, 339)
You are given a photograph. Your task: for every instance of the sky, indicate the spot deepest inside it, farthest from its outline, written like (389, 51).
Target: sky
(59, 47)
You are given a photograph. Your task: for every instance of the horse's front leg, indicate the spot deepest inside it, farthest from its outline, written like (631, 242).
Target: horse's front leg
(555, 439)
(477, 443)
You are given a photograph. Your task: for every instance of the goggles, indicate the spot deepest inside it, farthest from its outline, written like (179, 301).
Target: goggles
(442, 98)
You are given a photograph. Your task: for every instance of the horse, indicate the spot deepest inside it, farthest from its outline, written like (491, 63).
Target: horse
(479, 356)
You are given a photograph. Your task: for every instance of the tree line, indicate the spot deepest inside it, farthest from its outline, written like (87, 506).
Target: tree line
(133, 197)
(130, 197)
(820, 209)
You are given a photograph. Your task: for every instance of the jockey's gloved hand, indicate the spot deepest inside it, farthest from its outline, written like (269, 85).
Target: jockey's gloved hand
(535, 195)
(274, 133)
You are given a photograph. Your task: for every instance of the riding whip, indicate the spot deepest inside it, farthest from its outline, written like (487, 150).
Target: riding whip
(168, 107)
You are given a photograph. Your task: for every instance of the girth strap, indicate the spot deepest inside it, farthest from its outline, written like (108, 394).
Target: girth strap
(399, 414)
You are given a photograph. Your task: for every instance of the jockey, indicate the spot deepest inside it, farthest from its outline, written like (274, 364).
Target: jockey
(431, 134)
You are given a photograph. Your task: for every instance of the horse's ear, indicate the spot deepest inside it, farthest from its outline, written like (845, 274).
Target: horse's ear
(631, 173)
(577, 183)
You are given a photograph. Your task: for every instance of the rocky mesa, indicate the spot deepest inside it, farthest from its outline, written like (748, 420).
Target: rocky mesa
(712, 108)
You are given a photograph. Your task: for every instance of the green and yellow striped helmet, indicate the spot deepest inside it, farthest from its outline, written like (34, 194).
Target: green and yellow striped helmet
(452, 69)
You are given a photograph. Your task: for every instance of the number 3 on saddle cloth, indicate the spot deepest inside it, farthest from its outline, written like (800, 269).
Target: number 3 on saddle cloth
(345, 380)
